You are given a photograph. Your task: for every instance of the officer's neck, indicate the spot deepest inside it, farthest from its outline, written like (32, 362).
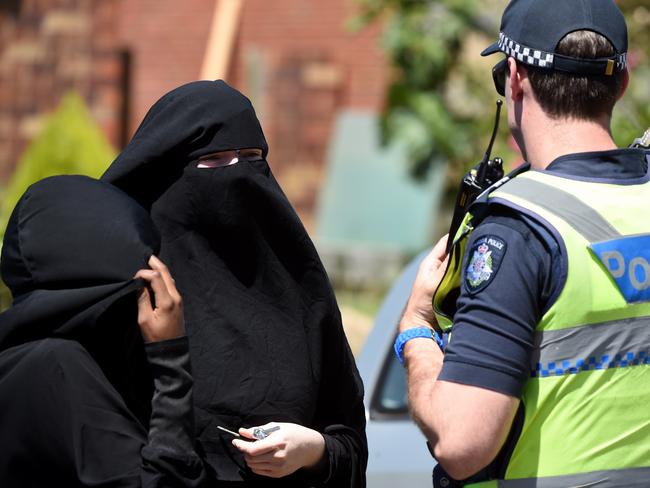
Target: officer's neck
(546, 139)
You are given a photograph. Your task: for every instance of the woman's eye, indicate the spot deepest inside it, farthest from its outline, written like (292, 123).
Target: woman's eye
(228, 158)
(216, 162)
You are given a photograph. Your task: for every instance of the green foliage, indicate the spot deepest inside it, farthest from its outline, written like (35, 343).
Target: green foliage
(632, 113)
(69, 143)
(441, 100)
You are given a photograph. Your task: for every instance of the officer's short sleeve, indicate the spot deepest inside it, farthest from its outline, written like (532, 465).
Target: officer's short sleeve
(509, 275)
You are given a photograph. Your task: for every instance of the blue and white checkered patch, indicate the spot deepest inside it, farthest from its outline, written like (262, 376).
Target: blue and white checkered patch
(536, 57)
(561, 368)
(526, 55)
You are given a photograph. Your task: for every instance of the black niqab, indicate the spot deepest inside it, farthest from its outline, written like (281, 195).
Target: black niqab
(266, 338)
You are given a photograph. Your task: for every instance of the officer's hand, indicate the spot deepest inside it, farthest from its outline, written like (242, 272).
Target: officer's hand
(419, 310)
(165, 321)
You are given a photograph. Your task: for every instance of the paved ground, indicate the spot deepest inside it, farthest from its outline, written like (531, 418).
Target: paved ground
(357, 325)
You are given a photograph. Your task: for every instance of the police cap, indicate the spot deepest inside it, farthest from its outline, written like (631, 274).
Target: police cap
(532, 29)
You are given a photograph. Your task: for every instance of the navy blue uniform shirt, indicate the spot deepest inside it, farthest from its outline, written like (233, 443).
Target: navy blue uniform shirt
(513, 271)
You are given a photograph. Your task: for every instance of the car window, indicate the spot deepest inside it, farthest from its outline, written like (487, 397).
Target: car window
(390, 396)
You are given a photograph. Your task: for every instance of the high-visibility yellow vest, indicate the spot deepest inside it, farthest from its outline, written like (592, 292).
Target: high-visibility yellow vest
(587, 401)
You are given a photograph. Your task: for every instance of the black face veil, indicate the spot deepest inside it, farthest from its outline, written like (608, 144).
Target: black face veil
(265, 332)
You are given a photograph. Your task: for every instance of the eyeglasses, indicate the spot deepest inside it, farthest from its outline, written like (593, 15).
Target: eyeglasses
(499, 76)
(232, 156)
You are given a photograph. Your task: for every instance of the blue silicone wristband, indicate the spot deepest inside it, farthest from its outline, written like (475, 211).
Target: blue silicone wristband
(414, 333)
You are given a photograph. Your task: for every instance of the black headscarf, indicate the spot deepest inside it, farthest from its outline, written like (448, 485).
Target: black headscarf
(69, 263)
(265, 331)
(75, 384)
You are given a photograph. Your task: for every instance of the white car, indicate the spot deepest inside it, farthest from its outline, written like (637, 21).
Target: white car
(398, 456)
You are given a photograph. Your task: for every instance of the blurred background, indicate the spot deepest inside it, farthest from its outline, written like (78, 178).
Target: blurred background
(373, 109)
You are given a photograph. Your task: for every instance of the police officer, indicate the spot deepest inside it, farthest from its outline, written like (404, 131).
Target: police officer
(545, 380)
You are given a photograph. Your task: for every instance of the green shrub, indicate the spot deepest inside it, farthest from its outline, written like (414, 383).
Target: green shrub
(70, 142)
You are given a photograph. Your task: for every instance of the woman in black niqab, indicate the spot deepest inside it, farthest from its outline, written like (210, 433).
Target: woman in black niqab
(266, 339)
(83, 400)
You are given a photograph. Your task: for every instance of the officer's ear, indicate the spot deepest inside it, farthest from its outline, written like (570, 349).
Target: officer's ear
(516, 76)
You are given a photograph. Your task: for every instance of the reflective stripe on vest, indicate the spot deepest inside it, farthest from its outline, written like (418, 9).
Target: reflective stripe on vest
(615, 478)
(614, 344)
(581, 217)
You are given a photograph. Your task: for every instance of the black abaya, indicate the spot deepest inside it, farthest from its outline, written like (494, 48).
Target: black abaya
(83, 402)
(266, 338)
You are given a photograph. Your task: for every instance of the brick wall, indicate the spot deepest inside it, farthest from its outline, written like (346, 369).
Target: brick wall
(48, 47)
(167, 41)
(294, 58)
(300, 64)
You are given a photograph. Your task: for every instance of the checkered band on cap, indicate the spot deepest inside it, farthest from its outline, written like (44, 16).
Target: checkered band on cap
(526, 55)
(535, 57)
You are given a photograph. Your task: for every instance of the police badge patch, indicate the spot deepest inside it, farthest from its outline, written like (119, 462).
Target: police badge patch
(484, 261)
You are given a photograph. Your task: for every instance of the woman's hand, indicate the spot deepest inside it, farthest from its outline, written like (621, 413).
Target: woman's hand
(419, 309)
(284, 451)
(165, 321)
